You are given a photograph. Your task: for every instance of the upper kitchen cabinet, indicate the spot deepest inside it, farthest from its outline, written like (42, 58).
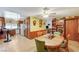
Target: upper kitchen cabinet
(2, 21)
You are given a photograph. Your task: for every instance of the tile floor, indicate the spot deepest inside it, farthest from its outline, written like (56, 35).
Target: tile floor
(22, 44)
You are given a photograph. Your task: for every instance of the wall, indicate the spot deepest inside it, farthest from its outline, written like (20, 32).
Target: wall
(34, 30)
(1, 12)
(49, 21)
(36, 27)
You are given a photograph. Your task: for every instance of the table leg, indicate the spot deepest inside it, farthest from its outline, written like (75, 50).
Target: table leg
(8, 39)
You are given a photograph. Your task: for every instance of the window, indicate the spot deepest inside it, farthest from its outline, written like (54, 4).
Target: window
(11, 15)
(11, 19)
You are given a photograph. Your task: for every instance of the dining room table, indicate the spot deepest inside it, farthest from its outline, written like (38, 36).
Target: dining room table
(55, 42)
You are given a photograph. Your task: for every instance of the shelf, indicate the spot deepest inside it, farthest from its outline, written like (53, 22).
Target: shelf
(57, 25)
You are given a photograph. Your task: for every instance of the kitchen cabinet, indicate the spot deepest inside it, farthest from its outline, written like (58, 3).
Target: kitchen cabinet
(72, 28)
(2, 22)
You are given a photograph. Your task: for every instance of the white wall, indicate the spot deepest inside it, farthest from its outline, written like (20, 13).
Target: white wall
(49, 21)
(1, 13)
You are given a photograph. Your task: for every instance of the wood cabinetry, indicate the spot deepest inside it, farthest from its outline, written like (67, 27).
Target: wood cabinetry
(12, 32)
(2, 24)
(54, 28)
(71, 28)
(2, 21)
(58, 25)
(34, 33)
(27, 29)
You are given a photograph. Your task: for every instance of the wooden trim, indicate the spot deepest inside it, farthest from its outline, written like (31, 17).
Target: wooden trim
(3, 21)
(70, 18)
(34, 34)
(64, 28)
(76, 24)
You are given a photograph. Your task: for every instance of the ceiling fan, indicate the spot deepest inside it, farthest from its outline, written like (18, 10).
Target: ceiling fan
(48, 13)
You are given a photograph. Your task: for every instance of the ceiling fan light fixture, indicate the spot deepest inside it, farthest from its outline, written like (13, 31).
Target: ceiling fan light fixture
(45, 12)
(45, 16)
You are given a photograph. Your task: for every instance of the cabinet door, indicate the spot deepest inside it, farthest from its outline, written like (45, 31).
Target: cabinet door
(72, 29)
(2, 21)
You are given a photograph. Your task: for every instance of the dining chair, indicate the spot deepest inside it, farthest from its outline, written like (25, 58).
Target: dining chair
(64, 46)
(53, 48)
(40, 45)
(1, 34)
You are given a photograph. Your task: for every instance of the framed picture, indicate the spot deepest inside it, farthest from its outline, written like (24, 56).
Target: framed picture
(44, 23)
(40, 23)
(34, 22)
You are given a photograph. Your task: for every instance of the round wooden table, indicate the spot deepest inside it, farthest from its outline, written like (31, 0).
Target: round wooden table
(54, 43)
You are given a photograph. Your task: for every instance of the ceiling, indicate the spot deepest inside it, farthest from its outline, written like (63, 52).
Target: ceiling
(29, 11)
